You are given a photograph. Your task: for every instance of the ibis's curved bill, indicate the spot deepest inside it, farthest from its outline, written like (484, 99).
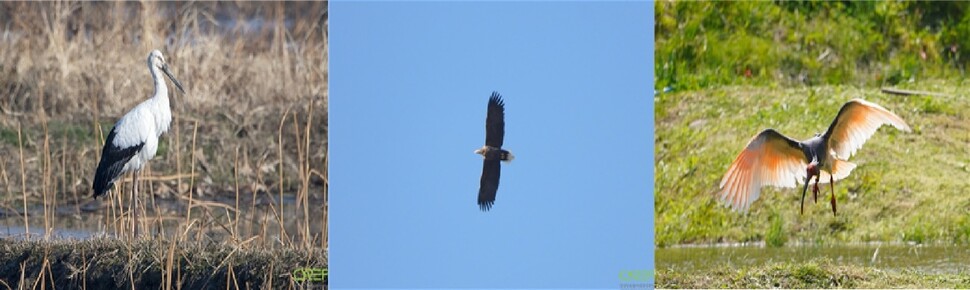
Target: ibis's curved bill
(774, 159)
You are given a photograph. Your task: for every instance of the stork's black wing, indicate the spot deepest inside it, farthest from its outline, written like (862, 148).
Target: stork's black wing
(491, 171)
(495, 121)
(113, 159)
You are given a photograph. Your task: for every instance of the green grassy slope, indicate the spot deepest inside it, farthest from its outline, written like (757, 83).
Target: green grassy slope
(908, 186)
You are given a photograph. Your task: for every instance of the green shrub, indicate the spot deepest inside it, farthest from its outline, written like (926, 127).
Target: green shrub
(776, 236)
(701, 44)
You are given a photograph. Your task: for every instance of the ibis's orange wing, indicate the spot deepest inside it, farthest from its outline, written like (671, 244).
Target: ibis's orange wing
(769, 159)
(857, 121)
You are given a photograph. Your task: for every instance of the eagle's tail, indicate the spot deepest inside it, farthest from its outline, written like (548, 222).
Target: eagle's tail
(507, 156)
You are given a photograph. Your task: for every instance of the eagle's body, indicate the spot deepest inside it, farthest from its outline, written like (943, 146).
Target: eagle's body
(492, 152)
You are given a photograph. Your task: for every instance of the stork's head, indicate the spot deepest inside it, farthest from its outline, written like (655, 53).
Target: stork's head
(156, 60)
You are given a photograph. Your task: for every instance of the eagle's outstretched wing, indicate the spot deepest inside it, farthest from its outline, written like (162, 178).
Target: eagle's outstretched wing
(491, 171)
(495, 121)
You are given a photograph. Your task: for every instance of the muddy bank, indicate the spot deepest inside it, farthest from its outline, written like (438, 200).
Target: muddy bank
(104, 263)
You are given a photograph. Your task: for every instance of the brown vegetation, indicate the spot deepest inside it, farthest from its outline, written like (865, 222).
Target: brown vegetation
(245, 162)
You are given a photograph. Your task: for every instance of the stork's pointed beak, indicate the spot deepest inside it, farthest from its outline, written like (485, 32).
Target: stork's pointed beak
(172, 77)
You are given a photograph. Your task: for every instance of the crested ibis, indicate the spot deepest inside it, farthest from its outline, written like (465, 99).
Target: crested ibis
(771, 158)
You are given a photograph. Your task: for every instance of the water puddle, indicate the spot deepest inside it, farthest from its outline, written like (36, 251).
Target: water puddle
(215, 217)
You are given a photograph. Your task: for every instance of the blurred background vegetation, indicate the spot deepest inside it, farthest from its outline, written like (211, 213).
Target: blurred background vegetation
(703, 44)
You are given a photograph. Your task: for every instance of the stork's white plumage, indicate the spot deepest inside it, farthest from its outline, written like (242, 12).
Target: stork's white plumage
(134, 139)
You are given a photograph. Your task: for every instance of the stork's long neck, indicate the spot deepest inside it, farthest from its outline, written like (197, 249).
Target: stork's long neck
(161, 89)
(160, 101)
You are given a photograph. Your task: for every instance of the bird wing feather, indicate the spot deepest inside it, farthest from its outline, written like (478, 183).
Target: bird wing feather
(856, 122)
(491, 171)
(840, 170)
(135, 127)
(495, 121)
(769, 159)
(113, 160)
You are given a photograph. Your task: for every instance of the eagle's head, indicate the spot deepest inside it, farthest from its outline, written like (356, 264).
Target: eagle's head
(481, 151)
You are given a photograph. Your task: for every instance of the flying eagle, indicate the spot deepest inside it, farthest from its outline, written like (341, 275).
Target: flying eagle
(492, 152)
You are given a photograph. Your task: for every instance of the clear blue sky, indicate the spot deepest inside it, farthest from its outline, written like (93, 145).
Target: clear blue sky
(409, 83)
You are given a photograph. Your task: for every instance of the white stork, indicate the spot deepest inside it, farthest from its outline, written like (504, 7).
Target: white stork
(134, 139)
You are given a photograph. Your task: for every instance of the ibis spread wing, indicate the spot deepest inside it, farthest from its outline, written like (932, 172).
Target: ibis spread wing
(495, 121)
(491, 171)
(857, 121)
(769, 159)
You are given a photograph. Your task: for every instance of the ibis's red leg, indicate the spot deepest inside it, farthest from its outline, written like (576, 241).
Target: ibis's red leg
(832, 182)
